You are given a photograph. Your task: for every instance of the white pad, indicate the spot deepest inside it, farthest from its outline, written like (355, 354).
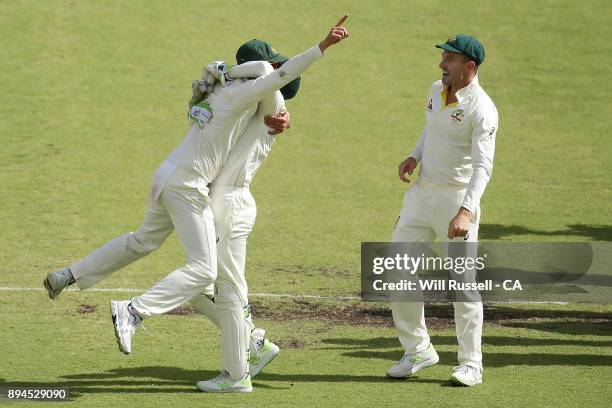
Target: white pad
(205, 304)
(257, 338)
(234, 332)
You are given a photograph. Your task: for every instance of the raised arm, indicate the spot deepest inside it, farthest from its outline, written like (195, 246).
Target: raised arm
(255, 90)
(250, 69)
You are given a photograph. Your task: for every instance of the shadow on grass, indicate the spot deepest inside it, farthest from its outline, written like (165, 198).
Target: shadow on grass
(603, 328)
(174, 380)
(137, 380)
(493, 313)
(393, 342)
(502, 359)
(498, 231)
(343, 378)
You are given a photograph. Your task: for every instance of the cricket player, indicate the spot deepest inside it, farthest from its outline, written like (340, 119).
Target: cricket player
(455, 151)
(180, 197)
(235, 211)
(231, 232)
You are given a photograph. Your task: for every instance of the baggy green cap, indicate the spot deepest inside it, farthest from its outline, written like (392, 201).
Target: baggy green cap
(258, 50)
(466, 45)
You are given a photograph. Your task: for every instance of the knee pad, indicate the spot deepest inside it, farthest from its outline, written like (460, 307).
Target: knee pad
(234, 332)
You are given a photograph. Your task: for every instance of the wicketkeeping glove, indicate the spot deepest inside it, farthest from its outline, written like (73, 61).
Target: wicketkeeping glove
(200, 114)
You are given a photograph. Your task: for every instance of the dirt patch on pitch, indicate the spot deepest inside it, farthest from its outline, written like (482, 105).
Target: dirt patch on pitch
(437, 316)
(183, 311)
(85, 309)
(352, 313)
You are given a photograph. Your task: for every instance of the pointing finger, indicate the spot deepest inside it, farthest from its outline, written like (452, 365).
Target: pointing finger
(340, 23)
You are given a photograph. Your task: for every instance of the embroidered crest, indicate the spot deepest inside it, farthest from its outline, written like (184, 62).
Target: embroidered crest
(457, 115)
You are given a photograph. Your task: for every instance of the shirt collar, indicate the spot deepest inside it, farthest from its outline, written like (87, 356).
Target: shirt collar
(468, 90)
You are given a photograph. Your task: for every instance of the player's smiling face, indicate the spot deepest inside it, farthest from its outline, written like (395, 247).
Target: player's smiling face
(453, 66)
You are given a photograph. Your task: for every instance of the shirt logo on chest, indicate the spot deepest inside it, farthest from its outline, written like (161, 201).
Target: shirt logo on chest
(457, 115)
(429, 106)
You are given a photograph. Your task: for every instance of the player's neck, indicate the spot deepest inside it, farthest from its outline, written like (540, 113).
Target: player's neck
(454, 88)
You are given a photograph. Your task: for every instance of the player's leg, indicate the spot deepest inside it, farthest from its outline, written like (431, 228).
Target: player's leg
(230, 297)
(114, 255)
(409, 317)
(121, 251)
(235, 215)
(468, 315)
(261, 350)
(234, 375)
(193, 221)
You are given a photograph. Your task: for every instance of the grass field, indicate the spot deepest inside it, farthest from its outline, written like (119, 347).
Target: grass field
(93, 98)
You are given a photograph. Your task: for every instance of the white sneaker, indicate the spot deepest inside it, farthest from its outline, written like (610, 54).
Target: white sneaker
(224, 383)
(265, 352)
(57, 281)
(125, 324)
(466, 375)
(413, 362)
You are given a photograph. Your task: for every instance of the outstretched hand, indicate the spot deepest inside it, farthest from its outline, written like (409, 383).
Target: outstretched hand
(335, 35)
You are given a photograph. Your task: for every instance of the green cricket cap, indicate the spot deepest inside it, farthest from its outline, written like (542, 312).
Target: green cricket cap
(466, 45)
(258, 50)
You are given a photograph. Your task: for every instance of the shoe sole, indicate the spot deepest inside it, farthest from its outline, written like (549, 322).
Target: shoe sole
(456, 381)
(266, 360)
(114, 314)
(50, 291)
(418, 367)
(244, 390)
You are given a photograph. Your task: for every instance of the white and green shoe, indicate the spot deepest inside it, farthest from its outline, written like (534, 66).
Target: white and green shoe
(466, 375)
(413, 362)
(262, 356)
(224, 383)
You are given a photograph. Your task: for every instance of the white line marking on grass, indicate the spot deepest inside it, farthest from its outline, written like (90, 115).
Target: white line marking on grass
(261, 295)
(135, 290)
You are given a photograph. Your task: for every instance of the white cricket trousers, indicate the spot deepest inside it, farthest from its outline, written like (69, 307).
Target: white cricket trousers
(182, 205)
(235, 211)
(426, 213)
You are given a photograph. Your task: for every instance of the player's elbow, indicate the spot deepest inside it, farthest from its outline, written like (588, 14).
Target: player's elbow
(267, 67)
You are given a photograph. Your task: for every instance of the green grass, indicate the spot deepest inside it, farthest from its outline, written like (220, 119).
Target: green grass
(549, 360)
(93, 98)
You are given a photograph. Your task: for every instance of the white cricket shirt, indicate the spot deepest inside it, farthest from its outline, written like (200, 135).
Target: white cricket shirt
(457, 144)
(255, 144)
(203, 152)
